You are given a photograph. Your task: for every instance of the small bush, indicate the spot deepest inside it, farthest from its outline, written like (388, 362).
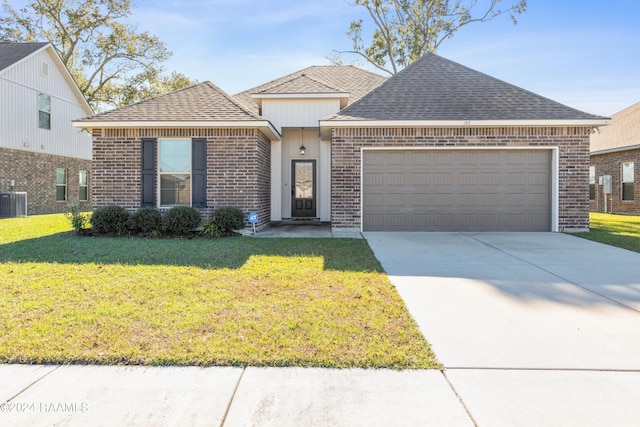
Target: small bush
(211, 229)
(76, 217)
(147, 220)
(182, 220)
(111, 219)
(228, 219)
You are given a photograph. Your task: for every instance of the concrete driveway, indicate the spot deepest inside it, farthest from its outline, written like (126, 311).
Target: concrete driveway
(532, 328)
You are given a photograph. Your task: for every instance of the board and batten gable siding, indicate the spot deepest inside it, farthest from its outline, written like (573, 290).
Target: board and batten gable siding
(237, 168)
(19, 88)
(297, 113)
(571, 178)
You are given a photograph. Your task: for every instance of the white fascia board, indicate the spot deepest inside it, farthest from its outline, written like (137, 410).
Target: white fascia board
(263, 125)
(462, 123)
(615, 150)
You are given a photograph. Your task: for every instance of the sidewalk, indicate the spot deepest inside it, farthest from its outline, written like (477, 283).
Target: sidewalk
(192, 396)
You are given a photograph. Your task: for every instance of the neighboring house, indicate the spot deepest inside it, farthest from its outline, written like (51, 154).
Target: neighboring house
(41, 153)
(437, 146)
(615, 152)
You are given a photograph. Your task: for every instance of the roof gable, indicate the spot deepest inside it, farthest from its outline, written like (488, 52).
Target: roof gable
(201, 102)
(346, 79)
(12, 53)
(436, 89)
(624, 131)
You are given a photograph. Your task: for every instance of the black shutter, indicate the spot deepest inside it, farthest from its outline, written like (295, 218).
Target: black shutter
(149, 172)
(199, 172)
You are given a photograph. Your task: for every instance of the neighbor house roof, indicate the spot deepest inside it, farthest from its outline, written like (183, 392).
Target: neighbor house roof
(202, 105)
(11, 53)
(622, 133)
(437, 90)
(336, 79)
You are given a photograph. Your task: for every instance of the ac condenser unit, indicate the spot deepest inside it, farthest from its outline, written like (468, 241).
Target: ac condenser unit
(13, 204)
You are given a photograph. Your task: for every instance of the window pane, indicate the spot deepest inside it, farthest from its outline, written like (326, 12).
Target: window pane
(61, 193)
(627, 172)
(175, 189)
(44, 120)
(83, 196)
(61, 176)
(627, 191)
(83, 177)
(175, 155)
(44, 103)
(592, 191)
(304, 180)
(592, 174)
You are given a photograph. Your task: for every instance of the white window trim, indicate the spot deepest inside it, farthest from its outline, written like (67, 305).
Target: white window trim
(622, 181)
(42, 111)
(159, 174)
(86, 185)
(65, 185)
(592, 178)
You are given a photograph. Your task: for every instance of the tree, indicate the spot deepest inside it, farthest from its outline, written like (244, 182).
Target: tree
(407, 29)
(104, 54)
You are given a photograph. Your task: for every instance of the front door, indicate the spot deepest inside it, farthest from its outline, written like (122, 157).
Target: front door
(303, 188)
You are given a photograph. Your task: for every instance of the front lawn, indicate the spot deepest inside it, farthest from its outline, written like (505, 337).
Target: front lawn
(622, 231)
(235, 301)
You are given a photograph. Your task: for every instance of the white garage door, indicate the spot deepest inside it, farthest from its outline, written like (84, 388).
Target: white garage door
(457, 190)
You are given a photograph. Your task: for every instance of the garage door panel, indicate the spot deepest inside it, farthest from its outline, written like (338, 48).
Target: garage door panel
(457, 190)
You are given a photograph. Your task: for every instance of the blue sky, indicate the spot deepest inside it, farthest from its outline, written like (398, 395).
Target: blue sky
(584, 54)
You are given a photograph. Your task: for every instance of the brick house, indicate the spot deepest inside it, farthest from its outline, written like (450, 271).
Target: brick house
(615, 152)
(41, 153)
(438, 146)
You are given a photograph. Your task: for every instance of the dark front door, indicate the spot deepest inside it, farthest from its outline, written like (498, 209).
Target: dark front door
(303, 188)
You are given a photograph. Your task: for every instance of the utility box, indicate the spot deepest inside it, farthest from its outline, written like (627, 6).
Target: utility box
(13, 204)
(605, 181)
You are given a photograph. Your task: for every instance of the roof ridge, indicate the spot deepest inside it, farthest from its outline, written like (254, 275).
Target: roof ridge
(293, 78)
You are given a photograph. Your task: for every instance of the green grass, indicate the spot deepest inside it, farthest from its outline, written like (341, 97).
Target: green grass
(235, 301)
(622, 231)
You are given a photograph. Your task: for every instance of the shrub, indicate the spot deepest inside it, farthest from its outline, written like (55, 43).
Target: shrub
(182, 220)
(111, 219)
(76, 217)
(147, 220)
(210, 228)
(228, 219)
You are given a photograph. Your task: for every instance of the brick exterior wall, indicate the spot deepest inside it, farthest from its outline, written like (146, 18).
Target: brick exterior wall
(611, 164)
(572, 143)
(238, 167)
(35, 174)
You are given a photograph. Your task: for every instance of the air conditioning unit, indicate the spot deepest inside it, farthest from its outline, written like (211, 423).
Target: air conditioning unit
(13, 204)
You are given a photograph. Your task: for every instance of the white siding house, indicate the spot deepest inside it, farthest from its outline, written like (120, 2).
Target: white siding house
(41, 153)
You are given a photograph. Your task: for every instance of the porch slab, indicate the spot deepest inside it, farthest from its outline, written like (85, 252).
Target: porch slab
(310, 230)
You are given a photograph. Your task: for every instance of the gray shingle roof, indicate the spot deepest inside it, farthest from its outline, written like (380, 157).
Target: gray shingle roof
(202, 102)
(435, 88)
(300, 84)
(624, 131)
(349, 79)
(10, 53)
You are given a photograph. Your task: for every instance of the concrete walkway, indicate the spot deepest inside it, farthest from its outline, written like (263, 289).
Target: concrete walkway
(534, 329)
